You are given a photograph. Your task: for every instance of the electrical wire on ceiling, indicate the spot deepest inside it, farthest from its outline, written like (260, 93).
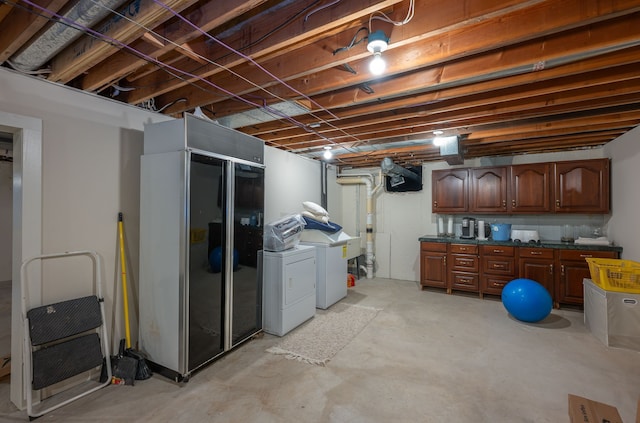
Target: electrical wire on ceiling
(244, 56)
(180, 47)
(319, 8)
(264, 106)
(150, 105)
(354, 41)
(169, 68)
(385, 18)
(280, 26)
(248, 58)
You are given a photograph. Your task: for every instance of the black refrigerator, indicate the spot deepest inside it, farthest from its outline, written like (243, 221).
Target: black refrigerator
(201, 217)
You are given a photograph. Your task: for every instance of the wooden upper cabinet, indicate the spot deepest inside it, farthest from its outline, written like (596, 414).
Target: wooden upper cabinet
(582, 186)
(488, 190)
(450, 191)
(530, 188)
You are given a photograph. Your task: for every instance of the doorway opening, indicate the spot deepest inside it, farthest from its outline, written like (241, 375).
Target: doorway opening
(25, 135)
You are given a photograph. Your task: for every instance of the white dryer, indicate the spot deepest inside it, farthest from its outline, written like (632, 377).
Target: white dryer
(289, 288)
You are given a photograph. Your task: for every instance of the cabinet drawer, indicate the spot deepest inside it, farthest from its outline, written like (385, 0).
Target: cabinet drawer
(494, 284)
(497, 250)
(499, 266)
(464, 281)
(541, 253)
(434, 246)
(579, 255)
(463, 249)
(466, 263)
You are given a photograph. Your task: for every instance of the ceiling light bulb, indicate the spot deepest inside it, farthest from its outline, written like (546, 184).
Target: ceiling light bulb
(377, 65)
(438, 132)
(327, 152)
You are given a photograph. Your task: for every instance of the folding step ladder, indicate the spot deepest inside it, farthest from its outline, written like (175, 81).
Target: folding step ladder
(63, 340)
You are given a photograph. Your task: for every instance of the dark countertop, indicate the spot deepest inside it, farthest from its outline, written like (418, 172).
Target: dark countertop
(542, 244)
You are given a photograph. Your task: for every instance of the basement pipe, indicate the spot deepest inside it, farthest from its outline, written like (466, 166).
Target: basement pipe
(367, 180)
(390, 168)
(85, 13)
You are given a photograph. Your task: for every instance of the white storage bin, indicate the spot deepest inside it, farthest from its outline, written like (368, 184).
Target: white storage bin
(613, 317)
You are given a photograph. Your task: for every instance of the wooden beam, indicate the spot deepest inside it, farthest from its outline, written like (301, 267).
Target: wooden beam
(497, 91)
(455, 111)
(207, 17)
(465, 42)
(5, 8)
(442, 18)
(486, 71)
(295, 32)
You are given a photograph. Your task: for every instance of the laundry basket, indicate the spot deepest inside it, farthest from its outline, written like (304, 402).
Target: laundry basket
(615, 275)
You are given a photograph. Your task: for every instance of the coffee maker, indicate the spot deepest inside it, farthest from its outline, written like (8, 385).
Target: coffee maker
(468, 228)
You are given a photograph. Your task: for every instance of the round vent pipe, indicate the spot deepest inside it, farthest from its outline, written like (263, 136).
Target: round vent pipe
(393, 170)
(58, 36)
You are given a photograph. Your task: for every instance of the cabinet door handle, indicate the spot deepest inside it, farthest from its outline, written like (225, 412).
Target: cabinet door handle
(586, 255)
(463, 248)
(504, 204)
(562, 269)
(513, 203)
(551, 269)
(435, 204)
(536, 253)
(498, 251)
(498, 266)
(444, 261)
(557, 203)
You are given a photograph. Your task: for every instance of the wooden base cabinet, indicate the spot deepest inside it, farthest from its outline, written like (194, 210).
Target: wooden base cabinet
(463, 268)
(433, 265)
(486, 269)
(497, 268)
(573, 269)
(537, 264)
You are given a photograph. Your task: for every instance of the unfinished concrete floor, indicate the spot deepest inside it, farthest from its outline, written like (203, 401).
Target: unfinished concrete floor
(426, 357)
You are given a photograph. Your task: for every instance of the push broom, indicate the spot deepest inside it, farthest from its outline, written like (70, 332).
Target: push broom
(142, 370)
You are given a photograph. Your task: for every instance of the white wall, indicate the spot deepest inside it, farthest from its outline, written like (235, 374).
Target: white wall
(91, 171)
(289, 180)
(401, 218)
(625, 195)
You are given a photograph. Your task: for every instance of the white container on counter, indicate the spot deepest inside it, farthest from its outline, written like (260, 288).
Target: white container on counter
(481, 234)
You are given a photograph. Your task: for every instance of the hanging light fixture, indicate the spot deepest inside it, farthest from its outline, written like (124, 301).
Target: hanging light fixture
(378, 42)
(327, 152)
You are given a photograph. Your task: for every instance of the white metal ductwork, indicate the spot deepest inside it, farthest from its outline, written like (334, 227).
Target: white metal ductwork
(368, 181)
(397, 173)
(59, 35)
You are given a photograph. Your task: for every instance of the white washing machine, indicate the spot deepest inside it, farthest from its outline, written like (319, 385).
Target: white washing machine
(289, 288)
(331, 285)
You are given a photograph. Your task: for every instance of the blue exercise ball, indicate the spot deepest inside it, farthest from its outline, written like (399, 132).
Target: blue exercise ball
(215, 259)
(526, 300)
